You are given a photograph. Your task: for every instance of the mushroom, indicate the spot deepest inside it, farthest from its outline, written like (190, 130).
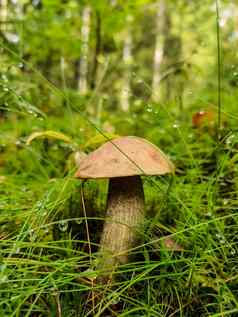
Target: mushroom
(123, 160)
(203, 119)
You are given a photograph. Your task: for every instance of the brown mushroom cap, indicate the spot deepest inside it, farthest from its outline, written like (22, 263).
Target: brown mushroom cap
(125, 156)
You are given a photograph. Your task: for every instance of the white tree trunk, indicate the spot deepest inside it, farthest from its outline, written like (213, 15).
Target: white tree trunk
(159, 45)
(83, 65)
(3, 15)
(127, 60)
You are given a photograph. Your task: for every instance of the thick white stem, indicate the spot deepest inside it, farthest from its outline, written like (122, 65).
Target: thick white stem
(124, 218)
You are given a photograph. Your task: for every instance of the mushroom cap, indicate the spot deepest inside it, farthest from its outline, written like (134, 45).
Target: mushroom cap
(125, 156)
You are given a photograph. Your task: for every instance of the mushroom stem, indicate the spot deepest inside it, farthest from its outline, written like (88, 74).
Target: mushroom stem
(125, 214)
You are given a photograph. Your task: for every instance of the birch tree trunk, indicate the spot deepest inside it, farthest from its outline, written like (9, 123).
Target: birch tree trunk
(159, 48)
(97, 50)
(3, 15)
(83, 64)
(127, 59)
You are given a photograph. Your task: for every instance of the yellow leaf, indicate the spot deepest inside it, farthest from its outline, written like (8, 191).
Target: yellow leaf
(49, 134)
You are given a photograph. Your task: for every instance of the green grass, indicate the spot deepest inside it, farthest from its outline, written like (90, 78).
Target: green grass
(46, 268)
(46, 265)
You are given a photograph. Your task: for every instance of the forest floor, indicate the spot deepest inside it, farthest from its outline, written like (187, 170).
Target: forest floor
(186, 261)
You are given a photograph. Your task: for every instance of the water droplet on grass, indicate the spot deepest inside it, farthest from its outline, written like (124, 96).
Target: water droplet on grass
(225, 201)
(233, 252)
(32, 235)
(40, 204)
(63, 225)
(230, 139)
(79, 221)
(149, 108)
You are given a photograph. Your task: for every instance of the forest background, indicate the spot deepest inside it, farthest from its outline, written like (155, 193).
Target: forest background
(77, 73)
